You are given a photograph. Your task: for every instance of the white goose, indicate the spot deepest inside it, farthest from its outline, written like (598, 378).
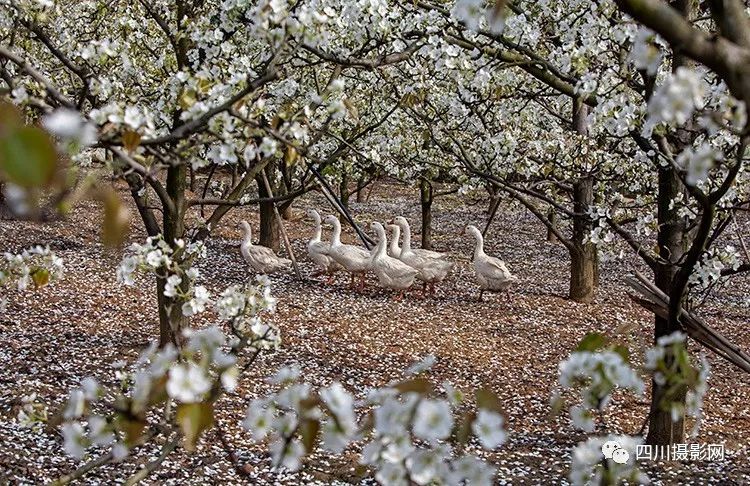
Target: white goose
(260, 258)
(492, 274)
(392, 273)
(318, 250)
(402, 223)
(433, 267)
(394, 250)
(354, 259)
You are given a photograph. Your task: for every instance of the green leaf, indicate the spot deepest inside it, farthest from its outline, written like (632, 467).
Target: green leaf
(591, 342)
(28, 157)
(291, 156)
(487, 400)
(623, 351)
(10, 118)
(309, 430)
(116, 218)
(556, 406)
(463, 428)
(187, 99)
(40, 276)
(193, 419)
(132, 428)
(131, 140)
(417, 385)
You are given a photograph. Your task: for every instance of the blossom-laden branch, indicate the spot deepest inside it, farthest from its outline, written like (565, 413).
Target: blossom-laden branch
(189, 379)
(600, 366)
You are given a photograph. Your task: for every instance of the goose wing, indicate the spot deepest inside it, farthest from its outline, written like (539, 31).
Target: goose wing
(494, 268)
(353, 258)
(396, 268)
(318, 248)
(265, 260)
(430, 254)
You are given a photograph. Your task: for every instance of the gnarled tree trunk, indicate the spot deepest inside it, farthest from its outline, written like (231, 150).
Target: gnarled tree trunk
(344, 194)
(552, 216)
(268, 233)
(584, 258)
(361, 183)
(426, 198)
(171, 319)
(670, 238)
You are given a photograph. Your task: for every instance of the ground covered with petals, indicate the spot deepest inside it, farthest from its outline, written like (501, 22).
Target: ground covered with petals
(81, 325)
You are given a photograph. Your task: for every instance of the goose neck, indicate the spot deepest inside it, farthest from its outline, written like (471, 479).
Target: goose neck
(336, 236)
(318, 230)
(379, 250)
(407, 238)
(247, 234)
(479, 248)
(394, 242)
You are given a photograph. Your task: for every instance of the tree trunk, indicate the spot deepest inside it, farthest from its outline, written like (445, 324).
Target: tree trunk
(494, 199)
(286, 212)
(269, 226)
(361, 183)
(584, 258)
(670, 238)
(426, 198)
(344, 193)
(552, 216)
(583, 273)
(171, 319)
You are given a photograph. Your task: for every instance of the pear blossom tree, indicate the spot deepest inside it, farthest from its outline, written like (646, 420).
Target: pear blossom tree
(601, 365)
(264, 93)
(646, 122)
(621, 118)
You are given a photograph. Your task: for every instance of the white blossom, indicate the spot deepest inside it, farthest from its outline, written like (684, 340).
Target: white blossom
(187, 383)
(70, 125)
(433, 420)
(74, 439)
(488, 427)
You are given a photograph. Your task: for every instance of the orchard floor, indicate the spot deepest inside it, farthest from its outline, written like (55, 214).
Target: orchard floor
(79, 326)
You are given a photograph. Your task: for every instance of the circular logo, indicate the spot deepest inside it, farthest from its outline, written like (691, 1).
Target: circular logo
(609, 448)
(620, 456)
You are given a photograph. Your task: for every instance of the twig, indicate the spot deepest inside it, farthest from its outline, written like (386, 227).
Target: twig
(152, 466)
(89, 466)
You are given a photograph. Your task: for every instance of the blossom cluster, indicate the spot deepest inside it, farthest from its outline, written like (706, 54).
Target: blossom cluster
(600, 233)
(709, 269)
(598, 374)
(408, 430)
(36, 266)
(593, 462)
(171, 264)
(674, 370)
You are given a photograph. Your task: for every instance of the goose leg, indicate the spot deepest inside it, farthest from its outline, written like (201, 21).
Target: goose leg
(351, 282)
(399, 296)
(432, 289)
(362, 282)
(481, 293)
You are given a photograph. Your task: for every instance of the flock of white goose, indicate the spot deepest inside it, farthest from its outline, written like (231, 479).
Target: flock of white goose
(395, 267)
